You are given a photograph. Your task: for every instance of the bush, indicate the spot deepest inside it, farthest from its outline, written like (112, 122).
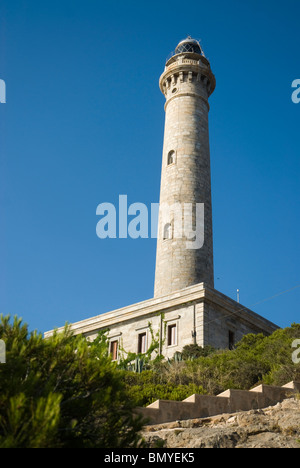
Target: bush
(256, 359)
(194, 351)
(147, 394)
(61, 392)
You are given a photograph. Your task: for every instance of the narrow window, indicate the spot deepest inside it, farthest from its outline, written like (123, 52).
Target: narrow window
(142, 343)
(172, 335)
(114, 350)
(231, 339)
(171, 157)
(167, 231)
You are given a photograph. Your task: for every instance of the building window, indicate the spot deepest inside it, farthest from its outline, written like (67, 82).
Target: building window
(167, 234)
(114, 350)
(142, 343)
(231, 339)
(172, 335)
(171, 157)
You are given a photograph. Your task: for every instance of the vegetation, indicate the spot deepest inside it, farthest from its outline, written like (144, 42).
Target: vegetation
(61, 392)
(256, 359)
(67, 392)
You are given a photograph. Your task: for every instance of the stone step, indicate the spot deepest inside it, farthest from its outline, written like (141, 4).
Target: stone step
(243, 400)
(293, 386)
(207, 405)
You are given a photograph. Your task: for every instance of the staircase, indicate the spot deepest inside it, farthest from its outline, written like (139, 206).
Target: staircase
(230, 401)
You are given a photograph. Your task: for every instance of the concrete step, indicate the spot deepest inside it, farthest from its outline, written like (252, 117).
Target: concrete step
(206, 405)
(243, 400)
(293, 386)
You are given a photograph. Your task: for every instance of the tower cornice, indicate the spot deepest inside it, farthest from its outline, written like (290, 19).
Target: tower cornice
(190, 66)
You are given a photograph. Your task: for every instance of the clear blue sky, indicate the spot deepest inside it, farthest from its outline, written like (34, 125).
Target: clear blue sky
(83, 123)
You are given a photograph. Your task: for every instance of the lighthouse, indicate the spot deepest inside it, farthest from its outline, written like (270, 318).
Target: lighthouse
(187, 82)
(186, 308)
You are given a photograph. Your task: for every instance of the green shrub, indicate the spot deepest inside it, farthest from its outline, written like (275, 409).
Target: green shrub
(61, 392)
(194, 351)
(147, 394)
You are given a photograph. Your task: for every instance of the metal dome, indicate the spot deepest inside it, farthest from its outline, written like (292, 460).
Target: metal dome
(189, 45)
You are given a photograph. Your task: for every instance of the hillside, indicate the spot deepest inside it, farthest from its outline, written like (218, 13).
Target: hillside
(273, 427)
(256, 359)
(66, 391)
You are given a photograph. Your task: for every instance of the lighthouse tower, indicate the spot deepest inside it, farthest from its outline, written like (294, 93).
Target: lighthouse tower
(187, 82)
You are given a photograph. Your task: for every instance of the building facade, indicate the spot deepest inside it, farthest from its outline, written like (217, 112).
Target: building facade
(186, 309)
(196, 314)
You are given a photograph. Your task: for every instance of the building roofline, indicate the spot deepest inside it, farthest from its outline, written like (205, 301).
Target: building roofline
(192, 294)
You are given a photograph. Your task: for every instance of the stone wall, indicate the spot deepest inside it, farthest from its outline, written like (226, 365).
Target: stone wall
(231, 401)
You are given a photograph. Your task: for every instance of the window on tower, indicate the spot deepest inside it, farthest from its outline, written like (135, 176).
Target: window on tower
(171, 157)
(167, 231)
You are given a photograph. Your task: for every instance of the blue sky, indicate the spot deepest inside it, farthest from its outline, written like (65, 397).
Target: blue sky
(83, 123)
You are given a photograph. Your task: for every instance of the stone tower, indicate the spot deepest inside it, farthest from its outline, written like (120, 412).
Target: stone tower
(186, 82)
